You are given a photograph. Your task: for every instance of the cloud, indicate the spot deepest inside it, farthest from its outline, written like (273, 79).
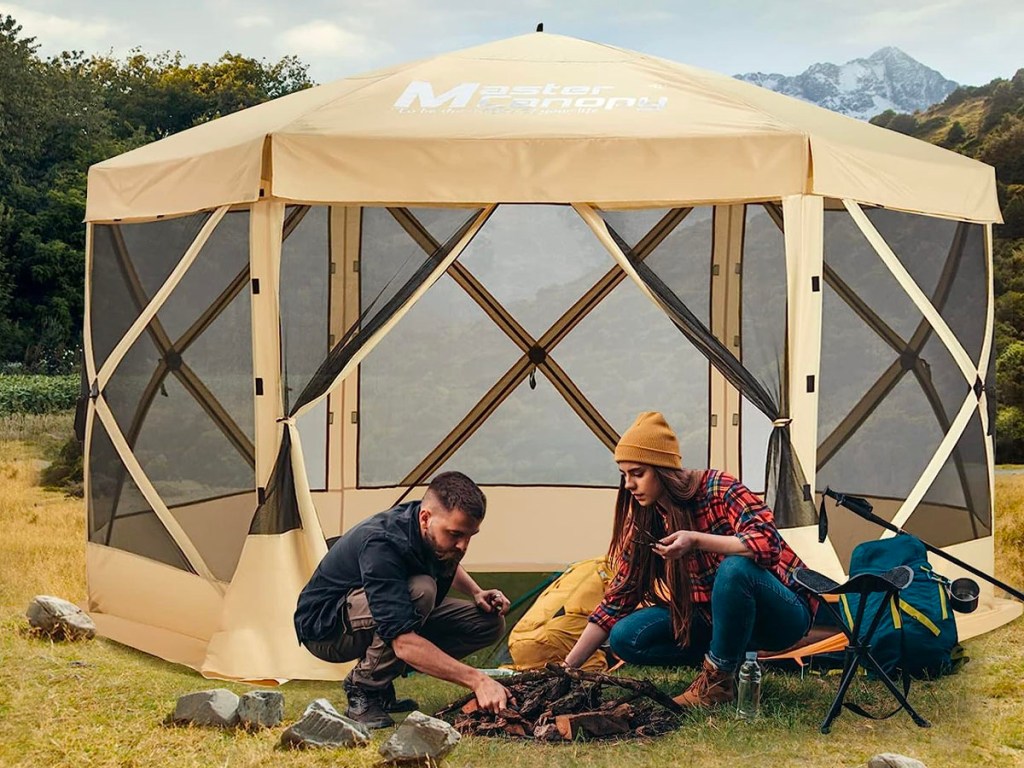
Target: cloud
(54, 32)
(251, 22)
(325, 39)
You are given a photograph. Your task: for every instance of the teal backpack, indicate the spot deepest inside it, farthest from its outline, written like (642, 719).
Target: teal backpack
(916, 638)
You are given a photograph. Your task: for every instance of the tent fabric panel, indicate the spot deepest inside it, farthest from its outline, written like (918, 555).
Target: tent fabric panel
(256, 636)
(535, 261)
(990, 615)
(149, 593)
(170, 646)
(663, 172)
(576, 524)
(921, 301)
(218, 529)
(700, 137)
(217, 163)
(200, 177)
(882, 177)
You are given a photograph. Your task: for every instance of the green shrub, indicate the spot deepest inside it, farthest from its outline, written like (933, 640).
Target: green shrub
(38, 394)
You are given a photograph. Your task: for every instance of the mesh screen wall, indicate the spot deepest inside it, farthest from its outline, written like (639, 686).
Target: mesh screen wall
(536, 262)
(182, 395)
(890, 389)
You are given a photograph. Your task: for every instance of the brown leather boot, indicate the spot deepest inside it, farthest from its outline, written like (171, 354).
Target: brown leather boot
(710, 688)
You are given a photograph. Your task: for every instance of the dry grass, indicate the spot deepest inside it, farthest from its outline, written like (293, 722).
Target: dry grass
(100, 704)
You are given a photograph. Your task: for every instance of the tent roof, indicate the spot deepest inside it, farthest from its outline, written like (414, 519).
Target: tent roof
(538, 118)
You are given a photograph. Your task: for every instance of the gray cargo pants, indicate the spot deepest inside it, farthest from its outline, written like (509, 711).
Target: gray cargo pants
(455, 626)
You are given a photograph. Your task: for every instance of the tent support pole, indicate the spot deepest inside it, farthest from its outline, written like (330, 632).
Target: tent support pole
(266, 224)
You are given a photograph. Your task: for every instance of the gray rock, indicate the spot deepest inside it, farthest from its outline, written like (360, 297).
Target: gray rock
(261, 709)
(322, 726)
(218, 707)
(59, 619)
(321, 705)
(420, 736)
(892, 760)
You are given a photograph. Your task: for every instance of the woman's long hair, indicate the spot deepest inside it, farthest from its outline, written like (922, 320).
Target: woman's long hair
(652, 579)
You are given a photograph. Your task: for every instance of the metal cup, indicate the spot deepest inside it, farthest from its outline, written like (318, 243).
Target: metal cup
(963, 595)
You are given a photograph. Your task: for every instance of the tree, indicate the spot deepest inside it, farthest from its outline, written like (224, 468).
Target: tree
(955, 135)
(1010, 375)
(59, 116)
(1010, 435)
(1004, 148)
(162, 95)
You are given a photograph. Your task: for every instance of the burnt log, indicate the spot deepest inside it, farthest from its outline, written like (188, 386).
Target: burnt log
(557, 704)
(593, 724)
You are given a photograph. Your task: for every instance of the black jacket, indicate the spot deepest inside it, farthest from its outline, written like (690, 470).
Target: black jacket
(379, 555)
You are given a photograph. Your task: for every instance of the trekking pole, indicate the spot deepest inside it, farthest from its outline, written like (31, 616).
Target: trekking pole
(862, 508)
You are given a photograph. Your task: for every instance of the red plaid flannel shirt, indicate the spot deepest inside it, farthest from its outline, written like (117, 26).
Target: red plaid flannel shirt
(725, 507)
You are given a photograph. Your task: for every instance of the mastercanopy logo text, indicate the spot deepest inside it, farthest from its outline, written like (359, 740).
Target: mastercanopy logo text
(421, 96)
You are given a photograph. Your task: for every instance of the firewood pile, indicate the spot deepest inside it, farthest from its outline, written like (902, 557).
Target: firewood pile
(558, 704)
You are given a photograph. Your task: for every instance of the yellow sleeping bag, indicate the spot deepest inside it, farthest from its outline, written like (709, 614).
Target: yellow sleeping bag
(548, 631)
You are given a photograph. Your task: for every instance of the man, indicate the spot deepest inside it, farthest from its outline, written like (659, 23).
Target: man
(380, 596)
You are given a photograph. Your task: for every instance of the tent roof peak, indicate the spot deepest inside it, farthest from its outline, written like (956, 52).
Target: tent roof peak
(539, 117)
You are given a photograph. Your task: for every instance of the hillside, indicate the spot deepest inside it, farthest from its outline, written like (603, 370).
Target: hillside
(984, 122)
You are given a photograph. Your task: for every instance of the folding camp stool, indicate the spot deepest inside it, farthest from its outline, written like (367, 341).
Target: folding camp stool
(858, 650)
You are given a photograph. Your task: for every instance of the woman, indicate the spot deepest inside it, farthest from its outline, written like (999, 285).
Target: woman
(703, 552)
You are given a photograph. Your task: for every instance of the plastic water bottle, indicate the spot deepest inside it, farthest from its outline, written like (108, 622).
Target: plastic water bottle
(748, 696)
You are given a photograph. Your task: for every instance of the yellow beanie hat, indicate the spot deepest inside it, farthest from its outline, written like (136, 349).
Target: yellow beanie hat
(650, 441)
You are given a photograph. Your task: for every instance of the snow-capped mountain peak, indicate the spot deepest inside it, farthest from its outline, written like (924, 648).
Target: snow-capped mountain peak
(863, 88)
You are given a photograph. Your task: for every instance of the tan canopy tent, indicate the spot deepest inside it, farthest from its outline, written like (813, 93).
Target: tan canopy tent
(490, 261)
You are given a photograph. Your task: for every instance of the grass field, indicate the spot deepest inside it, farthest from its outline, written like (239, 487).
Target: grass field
(101, 704)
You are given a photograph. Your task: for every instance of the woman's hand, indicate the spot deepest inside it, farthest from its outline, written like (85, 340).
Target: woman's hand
(677, 544)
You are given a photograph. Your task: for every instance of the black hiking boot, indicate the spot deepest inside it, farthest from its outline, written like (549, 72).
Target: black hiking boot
(392, 703)
(366, 706)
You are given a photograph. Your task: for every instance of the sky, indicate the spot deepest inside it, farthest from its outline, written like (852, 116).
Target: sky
(969, 41)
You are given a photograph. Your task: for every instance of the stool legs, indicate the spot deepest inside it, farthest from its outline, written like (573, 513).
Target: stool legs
(849, 669)
(894, 689)
(861, 656)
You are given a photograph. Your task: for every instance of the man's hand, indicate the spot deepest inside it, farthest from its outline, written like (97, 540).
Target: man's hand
(488, 600)
(491, 695)
(677, 544)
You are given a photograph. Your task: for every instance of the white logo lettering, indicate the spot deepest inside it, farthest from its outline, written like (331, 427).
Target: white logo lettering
(420, 97)
(459, 96)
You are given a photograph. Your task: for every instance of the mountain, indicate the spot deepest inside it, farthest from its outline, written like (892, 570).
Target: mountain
(888, 79)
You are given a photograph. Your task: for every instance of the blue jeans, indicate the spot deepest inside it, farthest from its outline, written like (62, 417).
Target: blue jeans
(750, 610)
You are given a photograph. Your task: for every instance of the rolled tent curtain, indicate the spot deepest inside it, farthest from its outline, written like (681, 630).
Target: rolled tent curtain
(287, 503)
(784, 477)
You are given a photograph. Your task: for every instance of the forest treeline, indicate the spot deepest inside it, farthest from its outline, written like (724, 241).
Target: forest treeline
(58, 116)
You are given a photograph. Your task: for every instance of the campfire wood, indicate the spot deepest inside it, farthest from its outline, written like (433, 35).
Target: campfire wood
(558, 704)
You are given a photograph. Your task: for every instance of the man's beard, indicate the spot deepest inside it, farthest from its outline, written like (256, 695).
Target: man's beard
(450, 558)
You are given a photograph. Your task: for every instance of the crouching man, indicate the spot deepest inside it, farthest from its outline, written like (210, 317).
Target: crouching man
(380, 595)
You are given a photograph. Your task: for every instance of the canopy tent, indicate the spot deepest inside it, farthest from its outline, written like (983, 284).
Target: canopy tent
(490, 261)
